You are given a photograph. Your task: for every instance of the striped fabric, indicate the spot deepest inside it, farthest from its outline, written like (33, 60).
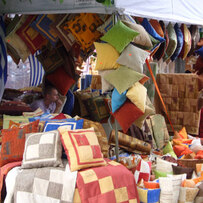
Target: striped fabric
(3, 57)
(36, 70)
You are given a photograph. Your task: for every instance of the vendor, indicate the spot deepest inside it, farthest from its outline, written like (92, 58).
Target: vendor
(50, 103)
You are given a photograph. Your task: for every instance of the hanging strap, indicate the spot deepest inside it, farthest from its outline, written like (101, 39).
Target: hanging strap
(159, 93)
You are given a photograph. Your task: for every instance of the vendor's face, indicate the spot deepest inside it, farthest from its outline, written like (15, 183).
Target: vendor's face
(54, 96)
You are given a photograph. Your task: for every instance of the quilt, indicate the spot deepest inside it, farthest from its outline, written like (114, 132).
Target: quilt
(180, 95)
(48, 184)
(110, 183)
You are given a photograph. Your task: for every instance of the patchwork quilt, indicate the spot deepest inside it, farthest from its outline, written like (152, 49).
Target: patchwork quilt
(180, 94)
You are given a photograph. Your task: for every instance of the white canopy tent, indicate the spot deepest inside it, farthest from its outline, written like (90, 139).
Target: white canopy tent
(185, 11)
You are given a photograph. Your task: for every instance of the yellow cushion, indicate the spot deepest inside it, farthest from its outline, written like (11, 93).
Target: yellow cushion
(106, 56)
(137, 95)
(82, 148)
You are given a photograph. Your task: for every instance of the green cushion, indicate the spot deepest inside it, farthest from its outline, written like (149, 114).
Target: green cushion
(17, 119)
(160, 174)
(169, 149)
(123, 78)
(119, 36)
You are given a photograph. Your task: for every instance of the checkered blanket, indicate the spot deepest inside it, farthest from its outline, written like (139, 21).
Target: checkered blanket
(48, 184)
(111, 183)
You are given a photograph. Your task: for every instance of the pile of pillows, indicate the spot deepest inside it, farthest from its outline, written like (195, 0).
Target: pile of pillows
(42, 147)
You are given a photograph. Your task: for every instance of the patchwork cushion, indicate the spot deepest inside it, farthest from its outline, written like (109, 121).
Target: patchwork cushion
(42, 25)
(42, 150)
(97, 108)
(143, 38)
(101, 135)
(13, 141)
(148, 195)
(82, 148)
(119, 36)
(42, 117)
(180, 170)
(124, 77)
(106, 56)
(187, 195)
(133, 57)
(65, 82)
(33, 39)
(142, 171)
(172, 42)
(179, 47)
(17, 119)
(106, 86)
(127, 114)
(71, 124)
(137, 95)
(151, 30)
(16, 44)
(187, 41)
(108, 24)
(84, 28)
(117, 100)
(64, 35)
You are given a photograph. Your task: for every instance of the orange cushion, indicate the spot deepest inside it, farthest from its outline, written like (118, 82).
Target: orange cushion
(181, 150)
(82, 148)
(13, 124)
(151, 185)
(188, 183)
(199, 155)
(13, 141)
(183, 133)
(127, 114)
(181, 141)
(64, 83)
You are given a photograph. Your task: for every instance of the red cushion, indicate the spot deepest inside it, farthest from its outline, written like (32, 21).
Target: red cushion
(60, 116)
(61, 80)
(127, 114)
(13, 142)
(33, 39)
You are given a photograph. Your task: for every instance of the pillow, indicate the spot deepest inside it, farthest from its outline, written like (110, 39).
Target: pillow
(13, 124)
(42, 150)
(119, 36)
(117, 100)
(16, 44)
(199, 169)
(101, 135)
(187, 41)
(81, 147)
(151, 30)
(168, 149)
(187, 195)
(43, 117)
(181, 170)
(200, 52)
(65, 82)
(137, 95)
(148, 195)
(143, 38)
(199, 197)
(13, 141)
(157, 27)
(133, 57)
(59, 116)
(96, 107)
(17, 119)
(108, 24)
(142, 171)
(84, 29)
(127, 114)
(72, 124)
(164, 166)
(195, 37)
(179, 47)
(13, 54)
(31, 37)
(181, 150)
(106, 86)
(172, 42)
(106, 56)
(42, 25)
(65, 36)
(124, 77)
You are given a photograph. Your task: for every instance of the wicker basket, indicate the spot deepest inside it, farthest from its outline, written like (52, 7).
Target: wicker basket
(189, 163)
